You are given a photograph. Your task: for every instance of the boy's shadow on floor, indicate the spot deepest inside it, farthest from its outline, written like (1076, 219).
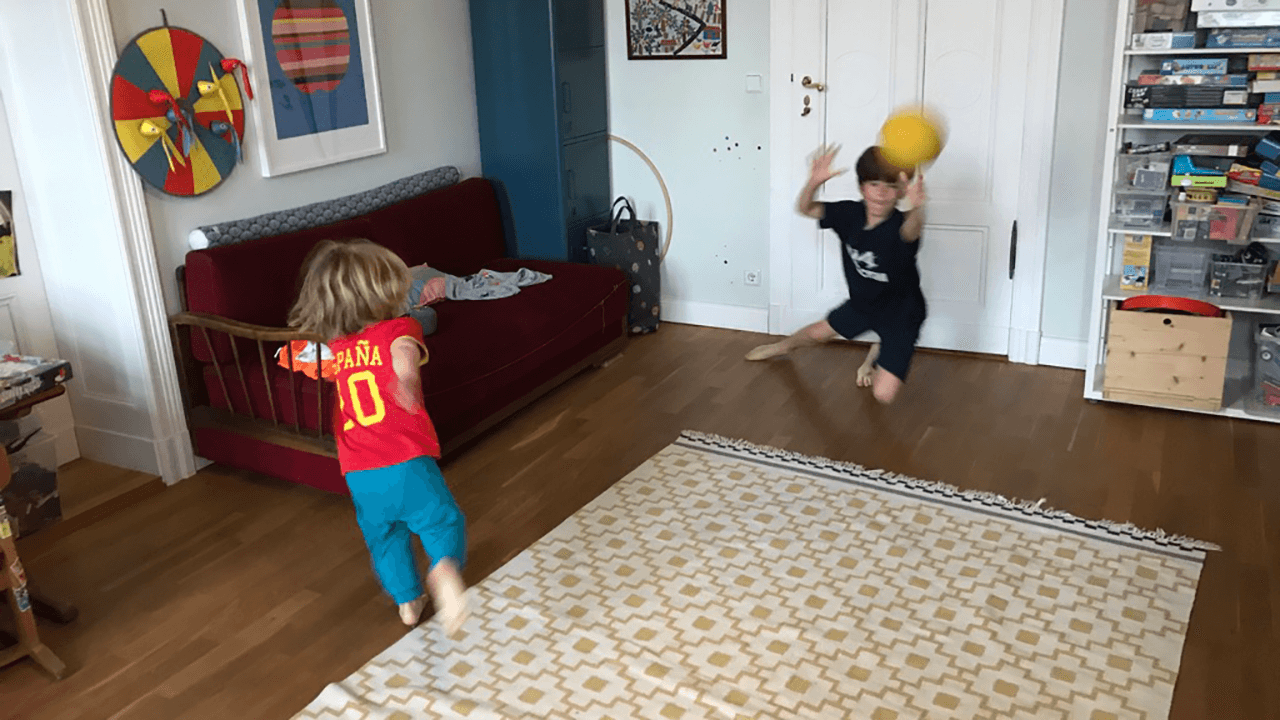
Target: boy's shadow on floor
(863, 424)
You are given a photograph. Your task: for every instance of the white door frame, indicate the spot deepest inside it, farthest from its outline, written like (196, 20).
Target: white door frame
(1035, 174)
(174, 454)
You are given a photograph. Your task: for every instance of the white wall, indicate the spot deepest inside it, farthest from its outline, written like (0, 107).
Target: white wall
(423, 49)
(709, 138)
(1088, 44)
(24, 308)
(678, 111)
(75, 216)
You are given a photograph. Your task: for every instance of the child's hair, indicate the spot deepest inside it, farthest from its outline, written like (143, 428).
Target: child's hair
(348, 286)
(872, 167)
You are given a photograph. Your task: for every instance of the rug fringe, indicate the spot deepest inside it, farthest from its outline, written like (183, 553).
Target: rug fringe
(989, 499)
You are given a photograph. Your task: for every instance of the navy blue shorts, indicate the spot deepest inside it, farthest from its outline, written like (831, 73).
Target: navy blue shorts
(896, 318)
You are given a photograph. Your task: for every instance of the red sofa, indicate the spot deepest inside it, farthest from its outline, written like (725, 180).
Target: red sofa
(488, 358)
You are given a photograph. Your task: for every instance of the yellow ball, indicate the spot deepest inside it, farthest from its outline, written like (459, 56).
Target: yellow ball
(911, 137)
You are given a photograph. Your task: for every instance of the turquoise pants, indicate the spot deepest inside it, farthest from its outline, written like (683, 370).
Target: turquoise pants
(395, 503)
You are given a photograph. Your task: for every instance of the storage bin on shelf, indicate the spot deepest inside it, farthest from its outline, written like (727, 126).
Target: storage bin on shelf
(1266, 227)
(1219, 221)
(1191, 220)
(1233, 222)
(31, 498)
(1145, 171)
(1180, 269)
(1140, 209)
(1266, 367)
(1166, 359)
(1231, 279)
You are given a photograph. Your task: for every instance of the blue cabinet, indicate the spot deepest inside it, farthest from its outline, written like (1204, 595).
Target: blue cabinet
(542, 100)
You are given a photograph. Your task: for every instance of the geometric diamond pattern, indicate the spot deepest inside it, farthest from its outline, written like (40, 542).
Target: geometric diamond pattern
(325, 212)
(720, 582)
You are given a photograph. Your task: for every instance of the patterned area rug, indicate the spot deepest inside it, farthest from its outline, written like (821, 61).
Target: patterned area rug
(724, 580)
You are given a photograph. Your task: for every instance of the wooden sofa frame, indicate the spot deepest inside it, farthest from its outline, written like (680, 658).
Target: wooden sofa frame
(201, 414)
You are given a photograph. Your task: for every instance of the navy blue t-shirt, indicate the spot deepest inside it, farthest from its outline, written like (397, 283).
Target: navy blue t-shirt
(878, 260)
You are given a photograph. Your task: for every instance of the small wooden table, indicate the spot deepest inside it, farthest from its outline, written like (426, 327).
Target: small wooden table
(24, 598)
(45, 606)
(13, 579)
(22, 408)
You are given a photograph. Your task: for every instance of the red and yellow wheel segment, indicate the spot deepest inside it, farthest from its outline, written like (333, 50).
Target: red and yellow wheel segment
(188, 70)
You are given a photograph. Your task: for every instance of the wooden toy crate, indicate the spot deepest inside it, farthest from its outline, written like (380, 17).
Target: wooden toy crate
(1166, 359)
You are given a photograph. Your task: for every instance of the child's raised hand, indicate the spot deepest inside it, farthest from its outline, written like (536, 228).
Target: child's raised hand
(915, 189)
(820, 171)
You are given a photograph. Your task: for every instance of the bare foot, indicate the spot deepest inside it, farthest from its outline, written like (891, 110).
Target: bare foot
(764, 352)
(411, 612)
(449, 595)
(865, 373)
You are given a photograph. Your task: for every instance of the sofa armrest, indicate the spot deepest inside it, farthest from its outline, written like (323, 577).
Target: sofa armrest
(249, 331)
(184, 323)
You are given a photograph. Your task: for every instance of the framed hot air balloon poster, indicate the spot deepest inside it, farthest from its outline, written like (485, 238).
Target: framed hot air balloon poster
(314, 63)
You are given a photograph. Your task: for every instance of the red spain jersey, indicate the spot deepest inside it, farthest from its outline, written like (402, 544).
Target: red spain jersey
(371, 428)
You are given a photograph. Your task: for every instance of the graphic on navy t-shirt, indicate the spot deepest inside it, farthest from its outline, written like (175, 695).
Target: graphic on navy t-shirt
(876, 260)
(865, 264)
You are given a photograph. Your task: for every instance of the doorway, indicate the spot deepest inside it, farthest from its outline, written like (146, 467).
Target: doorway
(840, 68)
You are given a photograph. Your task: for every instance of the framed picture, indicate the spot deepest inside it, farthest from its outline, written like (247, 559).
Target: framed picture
(675, 29)
(314, 76)
(8, 237)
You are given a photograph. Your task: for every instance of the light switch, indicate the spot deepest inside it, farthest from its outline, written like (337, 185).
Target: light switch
(755, 83)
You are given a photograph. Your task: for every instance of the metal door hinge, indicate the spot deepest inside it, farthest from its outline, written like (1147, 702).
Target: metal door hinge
(1013, 249)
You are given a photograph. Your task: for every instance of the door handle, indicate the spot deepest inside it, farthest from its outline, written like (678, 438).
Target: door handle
(808, 82)
(1013, 249)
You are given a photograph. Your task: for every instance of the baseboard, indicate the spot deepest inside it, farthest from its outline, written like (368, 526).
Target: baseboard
(175, 458)
(1024, 346)
(1060, 352)
(779, 317)
(124, 451)
(729, 317)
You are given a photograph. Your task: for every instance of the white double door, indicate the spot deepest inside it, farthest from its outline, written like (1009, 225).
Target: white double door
(969, 60)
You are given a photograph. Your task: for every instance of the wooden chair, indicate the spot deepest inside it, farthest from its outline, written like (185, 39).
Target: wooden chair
(13, 580)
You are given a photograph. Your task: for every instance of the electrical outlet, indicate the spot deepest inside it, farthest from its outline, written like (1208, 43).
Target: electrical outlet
(751, 277)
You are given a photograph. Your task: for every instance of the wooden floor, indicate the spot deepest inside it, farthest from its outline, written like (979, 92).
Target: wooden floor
(230, 595)
(85, 485)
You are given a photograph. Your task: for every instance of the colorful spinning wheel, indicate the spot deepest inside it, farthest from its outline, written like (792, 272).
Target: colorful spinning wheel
(177, 110)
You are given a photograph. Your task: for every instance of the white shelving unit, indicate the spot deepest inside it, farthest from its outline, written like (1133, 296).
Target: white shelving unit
(1238, 400)
(1189, 51)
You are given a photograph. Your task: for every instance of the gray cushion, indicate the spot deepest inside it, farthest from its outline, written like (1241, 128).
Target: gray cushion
(325, 212)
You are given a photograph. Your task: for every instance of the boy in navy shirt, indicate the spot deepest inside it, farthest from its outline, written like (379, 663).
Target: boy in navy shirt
(879, 244)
